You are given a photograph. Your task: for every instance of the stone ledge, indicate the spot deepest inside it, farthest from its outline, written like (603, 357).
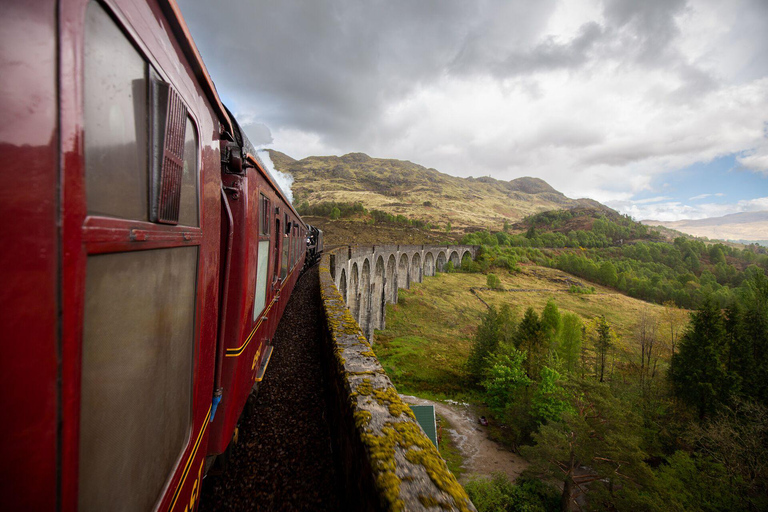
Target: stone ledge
(406, 470)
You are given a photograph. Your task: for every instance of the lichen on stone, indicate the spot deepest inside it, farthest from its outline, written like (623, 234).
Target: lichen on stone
(365, 387)
(386, 438)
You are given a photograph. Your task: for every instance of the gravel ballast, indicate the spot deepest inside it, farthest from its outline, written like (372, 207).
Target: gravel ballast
(283, 459)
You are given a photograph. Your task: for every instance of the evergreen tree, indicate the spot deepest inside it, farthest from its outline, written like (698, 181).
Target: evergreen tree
(598, 433)
(530, 338)
(699, 372)
(603, 344)
(486, 342)
(752, 336)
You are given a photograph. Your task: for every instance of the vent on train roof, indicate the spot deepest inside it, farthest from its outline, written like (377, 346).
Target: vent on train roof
(169, 116)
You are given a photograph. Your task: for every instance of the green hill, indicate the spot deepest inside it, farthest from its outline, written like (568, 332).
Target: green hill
(400, 187)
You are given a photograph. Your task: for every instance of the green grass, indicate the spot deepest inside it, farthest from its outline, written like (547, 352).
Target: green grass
(448, 449)
(429, 331)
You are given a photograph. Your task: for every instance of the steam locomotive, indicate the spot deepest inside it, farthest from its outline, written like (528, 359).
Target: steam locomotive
(147, 258)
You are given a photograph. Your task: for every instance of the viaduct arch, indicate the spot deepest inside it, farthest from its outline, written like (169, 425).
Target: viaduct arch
(371, 275)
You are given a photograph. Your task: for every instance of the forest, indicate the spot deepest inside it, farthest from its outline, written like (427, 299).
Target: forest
(626, 256)
(680, 422)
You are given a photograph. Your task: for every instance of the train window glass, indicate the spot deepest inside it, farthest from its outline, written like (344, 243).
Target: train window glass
(260, 295)
(284, 266)
(292, 256)
(137, 367)
(296, 244)
(276, 274)
(116, 120)
(188, 212)
(265, 216)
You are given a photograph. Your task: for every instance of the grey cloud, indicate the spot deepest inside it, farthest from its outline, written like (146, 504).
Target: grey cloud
(551, 55)
(328, 66)
(334, 67)
(646, 27)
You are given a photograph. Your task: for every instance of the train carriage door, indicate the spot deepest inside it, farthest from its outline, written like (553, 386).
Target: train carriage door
(132, 328)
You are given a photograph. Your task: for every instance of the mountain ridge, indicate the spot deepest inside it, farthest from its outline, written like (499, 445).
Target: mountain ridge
(401, 187)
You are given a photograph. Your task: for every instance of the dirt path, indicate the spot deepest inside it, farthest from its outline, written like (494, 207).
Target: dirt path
(482, 457)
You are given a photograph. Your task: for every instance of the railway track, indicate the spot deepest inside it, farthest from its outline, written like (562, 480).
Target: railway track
(283, 459)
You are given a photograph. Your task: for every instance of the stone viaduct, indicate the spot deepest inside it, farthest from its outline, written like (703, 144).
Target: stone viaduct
(368, 277)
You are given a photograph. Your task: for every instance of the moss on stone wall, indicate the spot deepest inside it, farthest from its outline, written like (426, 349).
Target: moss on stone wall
(385, 424)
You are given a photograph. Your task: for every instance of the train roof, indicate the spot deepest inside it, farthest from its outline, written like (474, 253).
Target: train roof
(188, 46)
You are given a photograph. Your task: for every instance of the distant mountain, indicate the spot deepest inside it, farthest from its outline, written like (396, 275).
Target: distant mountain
(400, 187)
(748, 226)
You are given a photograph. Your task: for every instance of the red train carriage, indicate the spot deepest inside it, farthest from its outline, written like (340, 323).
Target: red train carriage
(146, 259)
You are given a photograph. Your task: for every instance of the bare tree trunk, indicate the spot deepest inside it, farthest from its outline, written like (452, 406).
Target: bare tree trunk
(565, 499)
(568, 483)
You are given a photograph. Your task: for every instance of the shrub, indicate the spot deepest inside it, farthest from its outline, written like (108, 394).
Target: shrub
(493, 282)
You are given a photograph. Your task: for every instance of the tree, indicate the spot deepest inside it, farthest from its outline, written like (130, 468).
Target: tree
(550, 400)
(716, 254)
(507, 325)
(486, 342)
(698, 372)
(493, 282)
(674, 319)
(504, 376)
(569, 344)
(598, 433)
(550, 322)
(646, 335)
(603, 343)
(607, 274)
(738, 439)
(530, 338)
(335, 213)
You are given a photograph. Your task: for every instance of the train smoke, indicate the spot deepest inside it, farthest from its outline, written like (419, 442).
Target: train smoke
(283, 179)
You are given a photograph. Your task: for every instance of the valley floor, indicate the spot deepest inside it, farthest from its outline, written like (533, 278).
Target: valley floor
(482, 456)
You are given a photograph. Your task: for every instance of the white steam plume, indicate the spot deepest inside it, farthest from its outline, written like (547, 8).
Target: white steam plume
(283, 179)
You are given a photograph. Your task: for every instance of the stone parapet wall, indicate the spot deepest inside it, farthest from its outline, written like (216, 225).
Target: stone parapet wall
(368, 277)
(388, 462)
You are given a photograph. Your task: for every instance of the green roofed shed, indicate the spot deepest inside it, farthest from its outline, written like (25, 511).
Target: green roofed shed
(425, 415)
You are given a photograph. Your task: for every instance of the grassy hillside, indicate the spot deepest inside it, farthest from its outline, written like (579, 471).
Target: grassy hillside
(403, 188)
(429, 330)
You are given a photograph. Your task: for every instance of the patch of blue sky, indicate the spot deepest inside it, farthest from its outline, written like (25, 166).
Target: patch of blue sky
(720, 181)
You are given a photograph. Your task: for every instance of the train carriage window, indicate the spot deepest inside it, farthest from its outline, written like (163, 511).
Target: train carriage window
(137, 364)
(188, 214)
(278, 235)
(286, 245)
(290, 251)
(296, 243)
(116, 120)
(262, 267)
(265, 216)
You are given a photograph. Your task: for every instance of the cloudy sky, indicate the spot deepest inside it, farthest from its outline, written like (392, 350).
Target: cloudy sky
(658, 108)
